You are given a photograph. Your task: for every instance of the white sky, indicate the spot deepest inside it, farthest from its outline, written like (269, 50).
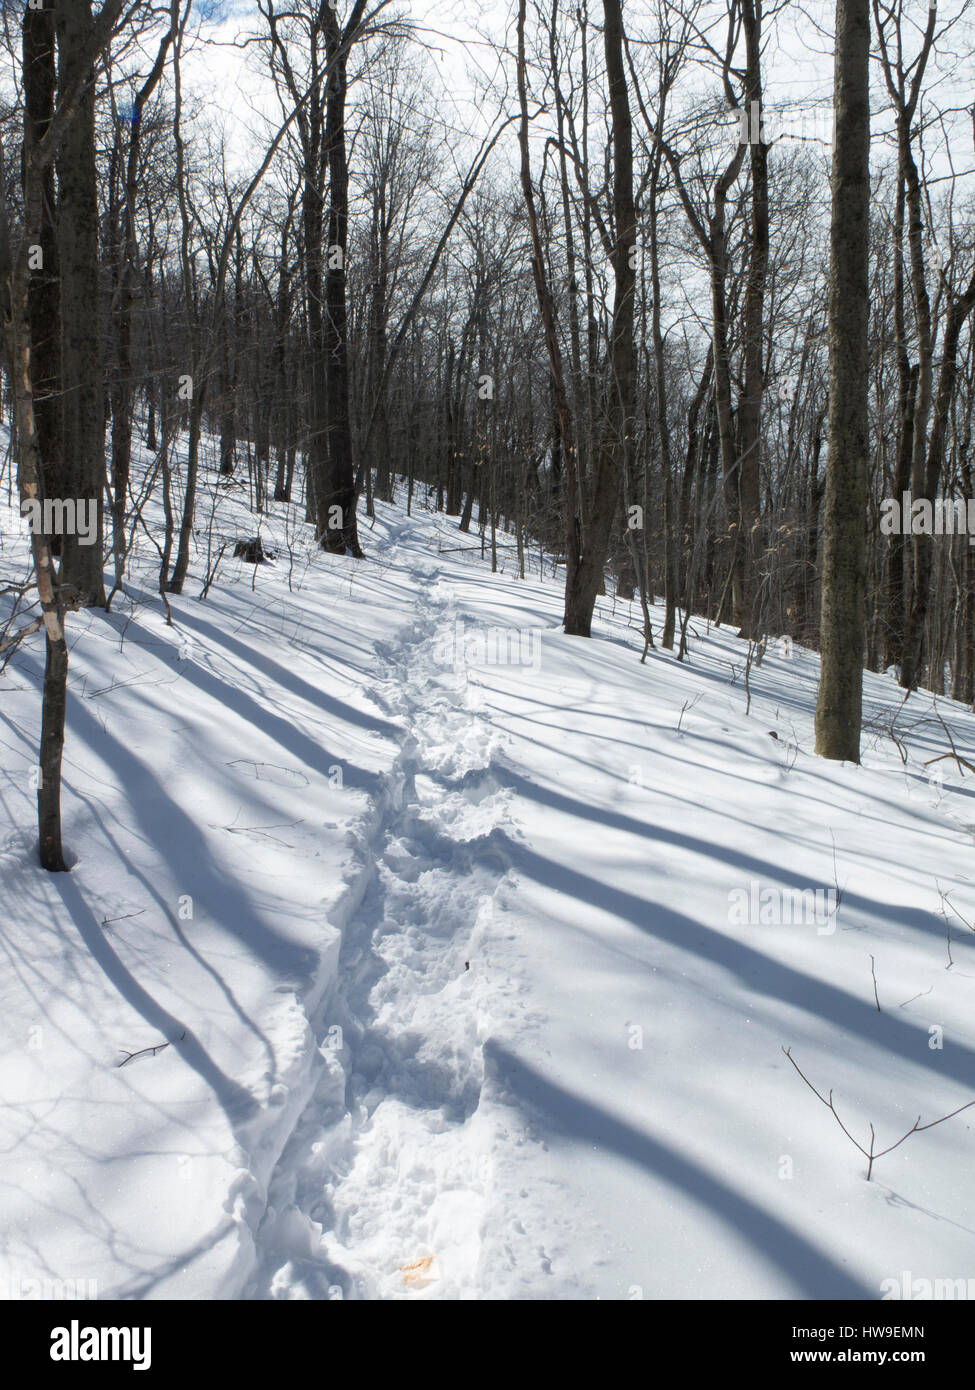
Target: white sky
(797, 66)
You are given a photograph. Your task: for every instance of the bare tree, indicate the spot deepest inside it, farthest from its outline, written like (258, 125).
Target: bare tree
(39, 152)
(838, 709)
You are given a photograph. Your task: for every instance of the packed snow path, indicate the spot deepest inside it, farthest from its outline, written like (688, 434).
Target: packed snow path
(391, 1153)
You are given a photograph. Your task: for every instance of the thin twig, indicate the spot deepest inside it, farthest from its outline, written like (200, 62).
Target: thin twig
(107, 921)
(870, 1154)
(151, 1050)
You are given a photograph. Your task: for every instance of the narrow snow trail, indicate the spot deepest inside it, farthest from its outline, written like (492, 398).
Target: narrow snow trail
(382, 1188)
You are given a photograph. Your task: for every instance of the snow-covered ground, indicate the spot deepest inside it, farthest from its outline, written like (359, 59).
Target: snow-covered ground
(474, 975)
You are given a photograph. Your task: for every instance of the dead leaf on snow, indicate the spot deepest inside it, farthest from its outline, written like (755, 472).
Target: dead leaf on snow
(416, 1273)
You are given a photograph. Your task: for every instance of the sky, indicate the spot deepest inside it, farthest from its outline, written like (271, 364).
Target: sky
(459, 35)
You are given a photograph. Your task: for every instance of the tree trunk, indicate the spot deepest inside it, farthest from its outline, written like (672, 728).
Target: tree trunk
(575, 621)
(44, 289)
(84, 405)
(839, 706)
(336, 495)
(747, 615)
(619, 417)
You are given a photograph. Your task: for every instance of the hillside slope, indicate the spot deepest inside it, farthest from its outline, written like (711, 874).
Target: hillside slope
(474, 975)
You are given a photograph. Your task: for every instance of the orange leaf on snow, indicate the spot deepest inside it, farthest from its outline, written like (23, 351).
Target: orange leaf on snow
(416, 1271)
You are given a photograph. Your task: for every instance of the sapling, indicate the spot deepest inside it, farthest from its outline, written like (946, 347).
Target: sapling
(872, 1154)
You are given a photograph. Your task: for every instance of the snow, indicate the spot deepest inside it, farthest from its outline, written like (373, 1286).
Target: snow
(455, 1001)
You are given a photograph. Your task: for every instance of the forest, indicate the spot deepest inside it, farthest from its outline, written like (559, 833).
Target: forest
(641, 330)
(620, 353)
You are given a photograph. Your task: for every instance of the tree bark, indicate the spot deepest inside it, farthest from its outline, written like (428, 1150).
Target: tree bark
(574, 619)
(335, 492)
(839, 705)
(84, 405)
(44, 286)
(618, 425)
